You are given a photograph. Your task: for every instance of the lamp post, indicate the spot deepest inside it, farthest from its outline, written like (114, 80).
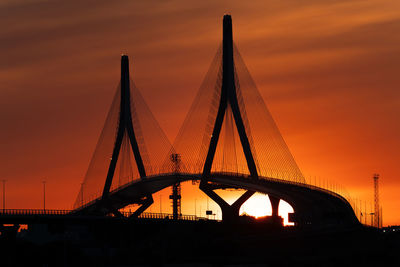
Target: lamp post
(44, 194)
(82, 194)
(195, 207)
(4, 194)
(160, 204)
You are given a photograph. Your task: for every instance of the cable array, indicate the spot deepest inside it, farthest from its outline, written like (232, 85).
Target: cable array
(154, 148)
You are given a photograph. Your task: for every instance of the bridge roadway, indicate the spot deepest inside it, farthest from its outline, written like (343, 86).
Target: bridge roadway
(312, 205)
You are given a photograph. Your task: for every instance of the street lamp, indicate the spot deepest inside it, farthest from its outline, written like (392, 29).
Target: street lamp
(195, 207)
(160, 203)
(4, 194)
(82, 194)
(44, 194)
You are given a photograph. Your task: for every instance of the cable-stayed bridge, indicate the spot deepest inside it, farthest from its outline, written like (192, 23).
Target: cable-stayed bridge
(228, 140)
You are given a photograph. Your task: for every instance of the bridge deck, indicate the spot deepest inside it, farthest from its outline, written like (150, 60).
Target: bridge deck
(312, 205)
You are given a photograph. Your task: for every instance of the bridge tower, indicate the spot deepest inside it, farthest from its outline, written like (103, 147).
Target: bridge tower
(228, 98)
(125, 127)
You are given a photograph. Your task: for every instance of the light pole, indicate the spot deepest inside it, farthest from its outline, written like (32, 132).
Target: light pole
(4, 194)
(160, 204)
(195, 207)
(82, 194)
(44, 194)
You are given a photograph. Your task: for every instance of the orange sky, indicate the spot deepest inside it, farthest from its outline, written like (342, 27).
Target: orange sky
(328, 71)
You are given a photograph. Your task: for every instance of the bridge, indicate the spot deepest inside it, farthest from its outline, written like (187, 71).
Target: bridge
(228, 140)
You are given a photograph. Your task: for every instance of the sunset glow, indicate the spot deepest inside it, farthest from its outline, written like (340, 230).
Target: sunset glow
(327, 70)
(184, 132)
(259, 205)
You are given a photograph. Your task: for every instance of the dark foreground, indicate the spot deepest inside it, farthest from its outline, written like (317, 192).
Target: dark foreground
(147, 242)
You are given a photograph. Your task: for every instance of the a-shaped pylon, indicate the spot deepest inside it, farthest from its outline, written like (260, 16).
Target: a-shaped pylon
(228, 98)
(125, 127)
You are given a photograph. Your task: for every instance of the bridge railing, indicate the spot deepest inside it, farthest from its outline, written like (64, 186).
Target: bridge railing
(145, 215)
(168, 216)
(32, 212)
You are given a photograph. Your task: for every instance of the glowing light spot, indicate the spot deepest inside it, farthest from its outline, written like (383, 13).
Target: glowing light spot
(259, 205)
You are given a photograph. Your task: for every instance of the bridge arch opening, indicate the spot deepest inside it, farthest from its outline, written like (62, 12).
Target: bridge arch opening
(259, 205)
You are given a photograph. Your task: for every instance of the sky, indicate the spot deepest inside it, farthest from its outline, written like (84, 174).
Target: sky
(327, 70)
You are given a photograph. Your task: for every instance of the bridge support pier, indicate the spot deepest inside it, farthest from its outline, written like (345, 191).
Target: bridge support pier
(230, 213)
(274, 205)
(146, 203)
(275, 210)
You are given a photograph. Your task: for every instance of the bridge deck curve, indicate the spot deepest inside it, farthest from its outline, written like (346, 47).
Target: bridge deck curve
(312, 205)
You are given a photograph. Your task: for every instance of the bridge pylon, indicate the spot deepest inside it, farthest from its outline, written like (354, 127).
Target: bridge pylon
(228, 98)
(125, 127)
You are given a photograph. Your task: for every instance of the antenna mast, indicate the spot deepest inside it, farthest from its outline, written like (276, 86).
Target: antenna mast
(176, 188)
(376, 198)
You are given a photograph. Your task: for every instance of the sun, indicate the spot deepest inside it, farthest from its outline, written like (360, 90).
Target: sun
(259, 205)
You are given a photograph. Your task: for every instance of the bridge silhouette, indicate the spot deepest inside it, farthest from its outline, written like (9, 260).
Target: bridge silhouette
(228, 140)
